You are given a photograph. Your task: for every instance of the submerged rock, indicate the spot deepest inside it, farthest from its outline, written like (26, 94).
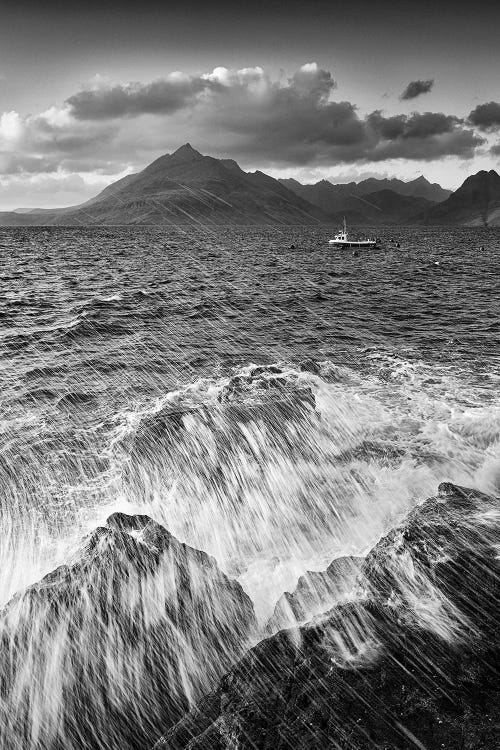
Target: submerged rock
(106, 652)
(316, 592)
(415, 664)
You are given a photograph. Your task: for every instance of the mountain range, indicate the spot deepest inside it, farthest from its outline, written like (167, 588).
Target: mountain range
(382, 206)
(331, 198)
(186, 187)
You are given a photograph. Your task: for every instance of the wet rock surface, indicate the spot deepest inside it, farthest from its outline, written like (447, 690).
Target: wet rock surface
(106, 652)
(415, 664)
(316, 592)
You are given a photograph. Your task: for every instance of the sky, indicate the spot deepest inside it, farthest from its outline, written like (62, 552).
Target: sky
(337, 90)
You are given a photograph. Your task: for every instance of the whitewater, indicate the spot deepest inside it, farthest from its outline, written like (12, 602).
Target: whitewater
(276, 408)
(270, 401)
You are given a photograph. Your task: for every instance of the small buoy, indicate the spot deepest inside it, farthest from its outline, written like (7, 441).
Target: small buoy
(397, 244)
(292, 247)
(355, 253)
(482, 247)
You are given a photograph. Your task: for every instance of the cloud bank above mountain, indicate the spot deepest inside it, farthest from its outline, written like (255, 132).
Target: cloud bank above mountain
(282, 122)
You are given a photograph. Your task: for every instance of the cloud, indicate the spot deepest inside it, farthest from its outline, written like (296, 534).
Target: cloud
(286, 127)
(420, 136)
(486, 117)
(264, 121)
(297, 122)
(43, 143)
(417, 88)
(165, 96)
(495, 149)
(416, 125)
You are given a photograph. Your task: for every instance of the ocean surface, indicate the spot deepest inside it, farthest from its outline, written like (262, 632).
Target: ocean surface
(275, 406)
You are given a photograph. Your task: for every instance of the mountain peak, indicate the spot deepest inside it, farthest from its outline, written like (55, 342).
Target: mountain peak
(475, 203)
(483, 176)
(186, 153)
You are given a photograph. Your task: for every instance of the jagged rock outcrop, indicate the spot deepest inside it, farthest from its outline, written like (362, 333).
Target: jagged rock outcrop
(104, 652)
(414, 665)
(316, 592)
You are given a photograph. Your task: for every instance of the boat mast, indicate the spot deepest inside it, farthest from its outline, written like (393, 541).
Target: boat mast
(345, 228)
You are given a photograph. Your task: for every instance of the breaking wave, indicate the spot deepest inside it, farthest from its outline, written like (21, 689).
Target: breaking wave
(273, 470)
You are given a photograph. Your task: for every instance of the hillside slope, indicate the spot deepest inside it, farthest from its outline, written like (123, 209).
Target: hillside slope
(475, 203)
(185, 188)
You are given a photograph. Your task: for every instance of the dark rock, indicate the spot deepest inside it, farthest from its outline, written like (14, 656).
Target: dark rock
(105, 652)
(309, 365)
(414, 665)
(475, 203)
(315, 593)
(441, 565)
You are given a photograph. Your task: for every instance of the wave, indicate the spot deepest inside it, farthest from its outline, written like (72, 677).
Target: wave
(279, 469)
(273, 469)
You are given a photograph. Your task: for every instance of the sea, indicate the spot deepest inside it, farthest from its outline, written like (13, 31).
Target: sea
(271, 400)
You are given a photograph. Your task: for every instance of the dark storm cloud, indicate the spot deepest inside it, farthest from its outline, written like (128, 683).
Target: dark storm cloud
(486, 116)
(298, 124)
(417, 88)
(271, 117)
(336, 133)
(417, 125)
(461, 143)
(420, 136)
(159, 97)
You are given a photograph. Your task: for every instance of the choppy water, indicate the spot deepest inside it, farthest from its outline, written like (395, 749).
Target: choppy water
(275, 407)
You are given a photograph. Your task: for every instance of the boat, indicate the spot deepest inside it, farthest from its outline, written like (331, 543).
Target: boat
(342, 240)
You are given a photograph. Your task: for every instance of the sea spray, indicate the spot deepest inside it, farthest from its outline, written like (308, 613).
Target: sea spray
(127, 385)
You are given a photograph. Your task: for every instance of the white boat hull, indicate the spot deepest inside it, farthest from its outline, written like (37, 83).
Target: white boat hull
(352, 243)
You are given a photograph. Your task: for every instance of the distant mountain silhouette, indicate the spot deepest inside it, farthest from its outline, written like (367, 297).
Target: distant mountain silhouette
(330, 198)
(383, 207)
(185, 188)
(475, 203)
(337, 198)
(418, 188)
(361, 205)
